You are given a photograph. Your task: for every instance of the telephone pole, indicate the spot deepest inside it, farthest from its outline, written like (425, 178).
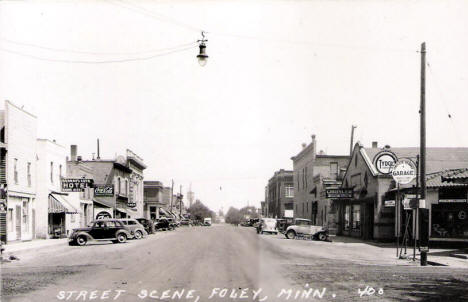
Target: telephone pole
(423, 215)
(172, 192)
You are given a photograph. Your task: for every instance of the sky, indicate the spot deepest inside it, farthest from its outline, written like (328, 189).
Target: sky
(126, 72)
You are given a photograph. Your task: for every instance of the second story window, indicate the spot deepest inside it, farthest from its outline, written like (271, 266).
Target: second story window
(15, 171)
(289, 191)
(52, 172)
(118, 186)
(29, 174)
(333, 170)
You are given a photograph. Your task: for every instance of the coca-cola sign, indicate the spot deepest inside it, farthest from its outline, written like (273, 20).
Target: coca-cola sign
(104, 190)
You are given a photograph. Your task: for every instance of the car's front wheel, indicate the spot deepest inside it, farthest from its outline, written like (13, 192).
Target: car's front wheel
(138, 235)
(81, 240)
(121, 238)
(322, 236)
(291, 234)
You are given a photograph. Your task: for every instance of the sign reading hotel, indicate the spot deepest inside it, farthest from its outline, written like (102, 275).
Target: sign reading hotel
(104, 190)
(384, 161)
(76, 184)
(404, 172)
(339, 193)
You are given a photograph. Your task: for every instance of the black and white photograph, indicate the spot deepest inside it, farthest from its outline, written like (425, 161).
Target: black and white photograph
(233, 150)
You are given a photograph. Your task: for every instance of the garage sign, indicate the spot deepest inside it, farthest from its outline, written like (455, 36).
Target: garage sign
(404, 171)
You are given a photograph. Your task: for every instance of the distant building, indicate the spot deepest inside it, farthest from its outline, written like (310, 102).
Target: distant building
(153, 199)
(136, 187)
(280, 194)
(111, 173)
(311, 169)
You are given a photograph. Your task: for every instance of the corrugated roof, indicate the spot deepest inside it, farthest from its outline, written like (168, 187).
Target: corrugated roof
(437, 159)
(437, 180)
(457, 174)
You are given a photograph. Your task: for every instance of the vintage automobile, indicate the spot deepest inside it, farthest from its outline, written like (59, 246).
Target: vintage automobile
(186, 221)
(147, 223)
(163, 224)
(100, 230)
(137, 230)
(305, 228)
(267, 225)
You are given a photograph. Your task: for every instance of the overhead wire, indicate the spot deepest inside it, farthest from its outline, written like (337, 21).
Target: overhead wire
(97, 61)
(87, 52)
(443, 101)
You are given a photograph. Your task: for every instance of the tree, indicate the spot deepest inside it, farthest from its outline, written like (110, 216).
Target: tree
(249, 212)
(198, 211)
(233, 216)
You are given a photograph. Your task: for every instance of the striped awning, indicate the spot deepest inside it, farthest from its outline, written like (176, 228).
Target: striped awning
(58, 204)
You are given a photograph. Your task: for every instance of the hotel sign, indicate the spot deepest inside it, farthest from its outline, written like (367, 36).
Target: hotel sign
(104, 190)
(76, 184)
(339, 193)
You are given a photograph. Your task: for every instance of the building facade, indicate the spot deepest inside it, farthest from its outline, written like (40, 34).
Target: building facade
(153, 199)
(136, 187)
(370, 214)
(56, 216)
(280, 194)
(18, 175)
(313, 172)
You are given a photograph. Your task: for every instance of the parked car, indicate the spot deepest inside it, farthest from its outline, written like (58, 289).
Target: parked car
(147, 224)
(207, 221)
(100, 230)
(253, 221)
(305, 227)
(173, 222)
(267, 225)
(162, 224)
(283, 224)
(136, 229)
(186, 222)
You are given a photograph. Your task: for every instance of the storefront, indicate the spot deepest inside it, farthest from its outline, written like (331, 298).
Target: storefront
(59, 210)
(356, 217)
(449, 216)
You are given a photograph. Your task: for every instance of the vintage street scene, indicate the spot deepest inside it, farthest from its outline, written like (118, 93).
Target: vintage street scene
(252, 150)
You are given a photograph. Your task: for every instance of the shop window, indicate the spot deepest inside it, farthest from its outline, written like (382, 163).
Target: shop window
(356, 217)
(347, 218)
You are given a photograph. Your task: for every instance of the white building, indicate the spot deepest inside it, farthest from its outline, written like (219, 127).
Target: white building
(57, 213)
(19, 130)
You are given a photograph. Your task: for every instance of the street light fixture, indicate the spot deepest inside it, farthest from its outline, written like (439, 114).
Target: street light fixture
(202, 56)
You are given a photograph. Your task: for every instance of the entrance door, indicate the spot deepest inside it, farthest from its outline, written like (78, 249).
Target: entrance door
(18, 222)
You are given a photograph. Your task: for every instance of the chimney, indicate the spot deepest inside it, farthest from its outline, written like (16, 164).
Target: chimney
(98, 153)
(304, 145)
(375, 145)
(73, 151)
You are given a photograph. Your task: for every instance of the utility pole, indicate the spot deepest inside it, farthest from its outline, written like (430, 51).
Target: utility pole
(180, 201)
(172, 192)
(423, 212)
(352, 139)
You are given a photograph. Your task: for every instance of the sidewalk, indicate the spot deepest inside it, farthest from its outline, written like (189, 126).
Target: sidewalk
(436, 256)
(13, 247)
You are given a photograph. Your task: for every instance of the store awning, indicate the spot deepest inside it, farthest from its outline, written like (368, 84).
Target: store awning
(59, 204)
(105, 204)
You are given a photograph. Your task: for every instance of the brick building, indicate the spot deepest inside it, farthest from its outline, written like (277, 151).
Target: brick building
(312, 172)
(280, 193)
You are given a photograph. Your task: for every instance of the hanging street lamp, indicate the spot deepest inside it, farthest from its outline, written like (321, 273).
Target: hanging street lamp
(202, 56)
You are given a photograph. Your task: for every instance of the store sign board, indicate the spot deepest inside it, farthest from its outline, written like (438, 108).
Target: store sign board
(452, 200)
(404, 172)
(104, 190)
(103, 215)
(288, 213)
(76, 184)
(389, 203)
(343, 193)
(131, 204)
(384, 161)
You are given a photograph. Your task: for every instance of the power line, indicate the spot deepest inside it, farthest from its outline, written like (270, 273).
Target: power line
(152, 14)
(93, 52)
(95, 61)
